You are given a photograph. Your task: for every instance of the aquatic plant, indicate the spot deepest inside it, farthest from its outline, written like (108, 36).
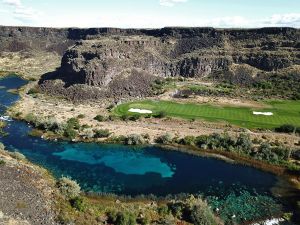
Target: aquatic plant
(244, 206)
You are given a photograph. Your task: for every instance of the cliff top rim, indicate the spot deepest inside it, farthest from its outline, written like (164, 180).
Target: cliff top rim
(156, 29)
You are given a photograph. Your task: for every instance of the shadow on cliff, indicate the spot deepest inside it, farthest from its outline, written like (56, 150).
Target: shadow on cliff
(56, 75)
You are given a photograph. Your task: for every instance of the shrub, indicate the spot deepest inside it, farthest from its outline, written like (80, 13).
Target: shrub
(121, 218)
(117, 139)
(135, 139)
(2, 147)
(2, 162)
(110, 107)
(163, 210)
(99, 118)
(164, 139)
(287, 128)
(101, 133)
(135, 117)
(33, 91)
(161, 114)
(125, 218)
(78, 203)
(73, 123)
(17, 155)
(144, 221)
(69, 188)
(70, 133)
(80, 116)
(188, 140)
(112, 117)
(244, 143)
(88, 133)
(201, 214)
(125, 117)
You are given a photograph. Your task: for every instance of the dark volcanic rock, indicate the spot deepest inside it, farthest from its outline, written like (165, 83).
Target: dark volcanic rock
(100, 56)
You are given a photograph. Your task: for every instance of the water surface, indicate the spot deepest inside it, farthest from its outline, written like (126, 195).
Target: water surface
(128, 170)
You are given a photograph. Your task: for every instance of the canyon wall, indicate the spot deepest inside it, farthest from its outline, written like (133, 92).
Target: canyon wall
(101, 57)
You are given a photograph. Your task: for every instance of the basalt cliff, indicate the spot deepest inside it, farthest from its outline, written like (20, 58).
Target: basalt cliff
(110, 62)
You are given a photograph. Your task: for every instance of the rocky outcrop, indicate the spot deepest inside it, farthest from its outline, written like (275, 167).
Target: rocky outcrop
(98, 57)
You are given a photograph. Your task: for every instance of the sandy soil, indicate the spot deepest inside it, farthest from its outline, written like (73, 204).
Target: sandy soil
(223, 101)
(30, 65)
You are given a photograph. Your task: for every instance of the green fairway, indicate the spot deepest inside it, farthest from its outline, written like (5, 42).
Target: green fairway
(285, 112)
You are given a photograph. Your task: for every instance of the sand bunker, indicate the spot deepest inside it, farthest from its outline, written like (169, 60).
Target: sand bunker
(263, 113)
(142, 111)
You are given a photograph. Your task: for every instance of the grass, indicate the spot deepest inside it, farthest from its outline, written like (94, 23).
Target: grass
(285, 112)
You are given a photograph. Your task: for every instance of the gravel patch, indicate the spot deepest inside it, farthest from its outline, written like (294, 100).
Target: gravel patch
(24, 196)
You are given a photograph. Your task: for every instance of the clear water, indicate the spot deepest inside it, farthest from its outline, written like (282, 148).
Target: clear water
(128, 170)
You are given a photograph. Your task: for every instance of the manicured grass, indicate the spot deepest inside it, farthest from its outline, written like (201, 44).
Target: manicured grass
(285, 112)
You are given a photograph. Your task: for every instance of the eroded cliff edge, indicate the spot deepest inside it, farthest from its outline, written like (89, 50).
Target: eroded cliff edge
(111, 62)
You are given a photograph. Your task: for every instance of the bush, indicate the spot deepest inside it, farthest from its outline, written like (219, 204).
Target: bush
(121, 218)
(125, 218)
(117, 139)
(70, 133)
(287, 128)
(201, 214)
(69, 188)
(99, 118)
(161, 114)
(2, 147)
(110, 107)
(73, 123)
(80, 116)
(17, 155)
(135, 117)
(2, 162)
(33, 91)
(188, 140)
(101, 133)
(135, 139)
(164, 139)
(88, 133)
(78, 203)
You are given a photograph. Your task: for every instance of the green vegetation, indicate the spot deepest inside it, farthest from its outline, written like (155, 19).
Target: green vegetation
(136, 139)
(238, 208)
(241, 145)
(33, 91)
(99, 118)
(284, 112)
(2, 162)
(18, 155)
(70, 189)
(102, 133)
(288, 128)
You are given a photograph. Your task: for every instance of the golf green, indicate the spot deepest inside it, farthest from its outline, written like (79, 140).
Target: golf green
(284, 112)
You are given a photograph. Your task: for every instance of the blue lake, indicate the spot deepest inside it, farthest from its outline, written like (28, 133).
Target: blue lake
(129, 170)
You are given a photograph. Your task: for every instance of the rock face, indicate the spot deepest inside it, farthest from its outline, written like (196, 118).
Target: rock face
(100, 57)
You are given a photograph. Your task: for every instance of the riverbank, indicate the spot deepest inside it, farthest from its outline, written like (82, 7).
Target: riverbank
(74, 125)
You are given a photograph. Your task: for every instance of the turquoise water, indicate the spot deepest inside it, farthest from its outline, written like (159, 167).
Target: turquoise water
(129, 170)
(234, 189)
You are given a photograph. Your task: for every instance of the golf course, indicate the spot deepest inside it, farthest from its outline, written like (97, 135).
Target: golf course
(283, 112)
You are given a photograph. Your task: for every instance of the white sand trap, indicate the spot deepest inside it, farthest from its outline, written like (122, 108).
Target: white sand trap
(142, 111)
(263, 113)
